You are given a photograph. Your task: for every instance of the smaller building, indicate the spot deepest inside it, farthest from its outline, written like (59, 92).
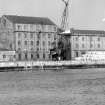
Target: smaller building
(82, 41)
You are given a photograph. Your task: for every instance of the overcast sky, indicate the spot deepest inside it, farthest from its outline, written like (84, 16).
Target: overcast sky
(83, 14)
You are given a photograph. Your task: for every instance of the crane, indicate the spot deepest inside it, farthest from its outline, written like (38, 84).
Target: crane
(64, 18)
(59, 51)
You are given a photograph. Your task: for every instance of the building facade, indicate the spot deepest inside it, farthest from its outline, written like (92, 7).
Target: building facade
(81, 41)
(86, 40)
(30, 37)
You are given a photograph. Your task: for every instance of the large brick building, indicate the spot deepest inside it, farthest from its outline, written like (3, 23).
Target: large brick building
(81, 41)
(30, 37)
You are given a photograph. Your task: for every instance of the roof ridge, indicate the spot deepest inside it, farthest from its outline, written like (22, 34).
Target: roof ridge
(26, 16)
(30, 20)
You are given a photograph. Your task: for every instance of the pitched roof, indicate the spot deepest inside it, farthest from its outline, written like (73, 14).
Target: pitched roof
(29, 20)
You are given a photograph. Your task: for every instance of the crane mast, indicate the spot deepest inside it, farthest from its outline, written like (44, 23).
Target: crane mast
(60, 50)
(64, 18)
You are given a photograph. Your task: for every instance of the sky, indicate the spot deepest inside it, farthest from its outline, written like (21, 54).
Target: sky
(83, 14)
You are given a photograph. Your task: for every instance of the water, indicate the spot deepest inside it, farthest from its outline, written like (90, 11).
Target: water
(70, 87)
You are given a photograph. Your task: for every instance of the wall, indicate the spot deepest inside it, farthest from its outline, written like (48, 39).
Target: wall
(91, 41)
(45, 34)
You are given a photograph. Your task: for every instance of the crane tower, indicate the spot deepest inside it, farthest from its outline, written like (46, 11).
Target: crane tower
(64, 18)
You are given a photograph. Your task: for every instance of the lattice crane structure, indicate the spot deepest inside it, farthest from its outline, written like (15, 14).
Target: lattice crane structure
(64, 18)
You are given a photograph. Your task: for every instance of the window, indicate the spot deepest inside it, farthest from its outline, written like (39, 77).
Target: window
(31, 26)
(55, 37)
(49, 43)
(37, 27)
(76, 54)
(4, 56)
(25, 35)
(31, 35)
(43, 49)
(91, 38)
(91, 45)
(19, 42)
(25, 27)
(10, 46)
(76, 45)
(49, 27)
(98, 45)
(49, 35)
(43, 43)
(19, 35)
(32, 49)
(25, 43)
(32, 56)
(83, 53)
(82, 38)
(25, 56)
(19, 27)
(44, 35)
(37, 49)
(76, 38)
(19, 49)
(37, 55)
(98, 39)
(83, 45)
(49, 56)
(44, 56)
(38, 36)
(37, 43)
(32, 43)
(43, 26)
(19, 56)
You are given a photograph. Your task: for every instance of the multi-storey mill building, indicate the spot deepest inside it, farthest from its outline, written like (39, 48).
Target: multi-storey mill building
(30, 37)
(81, 41)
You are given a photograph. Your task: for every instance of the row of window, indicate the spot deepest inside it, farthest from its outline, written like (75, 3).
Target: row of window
(25, 43)
(83, 45)
(32, 43)
(83, 38)
(38, 49)
(38, 35)
(36, 27)
(32, 57)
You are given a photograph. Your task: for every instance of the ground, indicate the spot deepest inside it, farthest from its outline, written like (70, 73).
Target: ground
(70, 87)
